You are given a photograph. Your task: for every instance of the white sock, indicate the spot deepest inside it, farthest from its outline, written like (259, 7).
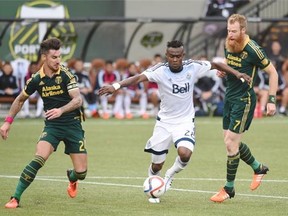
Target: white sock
(176, 168)
(39, 107)
(156, 110)
(127, 103)
(118, 105)
(104, 103)
(282, 109)
(26, 107)
(143, 103)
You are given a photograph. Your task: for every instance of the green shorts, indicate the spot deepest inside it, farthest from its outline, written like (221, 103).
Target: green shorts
(72, 135)
(237, 117)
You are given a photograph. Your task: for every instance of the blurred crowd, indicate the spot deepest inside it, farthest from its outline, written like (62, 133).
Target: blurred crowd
(220, 8)
(141, 101)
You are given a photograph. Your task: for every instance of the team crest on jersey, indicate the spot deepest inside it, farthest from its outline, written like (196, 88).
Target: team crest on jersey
(244, 55)
(58, 79)
(188, 76)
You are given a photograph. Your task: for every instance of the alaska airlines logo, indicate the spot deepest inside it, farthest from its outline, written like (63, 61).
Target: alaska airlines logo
(234, 60)
(26, 36)
(48, 91)
(178, 89)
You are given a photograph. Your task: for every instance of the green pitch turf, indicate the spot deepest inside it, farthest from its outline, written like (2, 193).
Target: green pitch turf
(118, 167)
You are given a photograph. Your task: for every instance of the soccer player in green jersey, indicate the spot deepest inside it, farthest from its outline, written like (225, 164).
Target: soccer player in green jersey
(62, 105)
(246, 56)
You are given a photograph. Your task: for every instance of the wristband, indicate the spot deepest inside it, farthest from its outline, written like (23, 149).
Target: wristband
(116, 86)
(9, 119)
(272, 99)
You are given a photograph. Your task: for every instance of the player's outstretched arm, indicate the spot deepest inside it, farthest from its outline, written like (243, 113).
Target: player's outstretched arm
(14, 109)
(110, 89)
(223, 67)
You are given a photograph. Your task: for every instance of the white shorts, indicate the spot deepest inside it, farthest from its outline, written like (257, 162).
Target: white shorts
(164, 135)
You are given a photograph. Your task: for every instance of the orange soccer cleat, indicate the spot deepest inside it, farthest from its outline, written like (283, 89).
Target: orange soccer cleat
(13, 203)
(129, 116)
(222, 195)
(72, 186)
(258, 176)
(145, 116)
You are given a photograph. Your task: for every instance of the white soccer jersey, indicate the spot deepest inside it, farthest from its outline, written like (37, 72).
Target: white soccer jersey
(176, 89)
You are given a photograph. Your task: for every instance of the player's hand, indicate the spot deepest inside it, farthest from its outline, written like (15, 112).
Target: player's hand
(271, 109)
(220, 74)
(106, 90)
(4, 130)
(53, 113)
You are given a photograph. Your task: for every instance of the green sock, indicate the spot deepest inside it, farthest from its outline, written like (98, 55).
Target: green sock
(72, 176)
(247, 157)
(81, 175)
(232, 166)
(28, 175)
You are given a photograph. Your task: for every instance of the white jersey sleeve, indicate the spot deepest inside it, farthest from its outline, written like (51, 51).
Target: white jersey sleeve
(201, 67)
(154, 73)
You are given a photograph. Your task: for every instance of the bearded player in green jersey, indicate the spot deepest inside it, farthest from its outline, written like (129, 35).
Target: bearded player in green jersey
(246, 56)
(62, 102)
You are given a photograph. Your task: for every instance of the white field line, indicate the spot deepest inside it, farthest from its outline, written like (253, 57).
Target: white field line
(57, 179)
(151, 122)
(143, 178)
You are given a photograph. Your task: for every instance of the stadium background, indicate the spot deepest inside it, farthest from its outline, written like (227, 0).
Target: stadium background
(132, 29)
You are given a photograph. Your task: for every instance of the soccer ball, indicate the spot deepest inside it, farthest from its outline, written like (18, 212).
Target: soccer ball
(154, 186)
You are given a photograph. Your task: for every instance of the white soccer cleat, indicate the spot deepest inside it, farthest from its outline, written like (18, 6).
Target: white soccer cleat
(154, 200)
(168, 182)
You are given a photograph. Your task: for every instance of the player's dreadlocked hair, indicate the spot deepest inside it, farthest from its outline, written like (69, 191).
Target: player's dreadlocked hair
(50, 44)
(174, 44)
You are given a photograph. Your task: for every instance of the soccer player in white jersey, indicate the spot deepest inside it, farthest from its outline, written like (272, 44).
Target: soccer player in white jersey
(175, 119)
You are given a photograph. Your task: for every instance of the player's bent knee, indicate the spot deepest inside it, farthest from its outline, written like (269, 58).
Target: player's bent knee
(81, 175)
(185, 158)
(184, 154)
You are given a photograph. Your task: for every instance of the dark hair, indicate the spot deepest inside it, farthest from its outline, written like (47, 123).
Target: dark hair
(110, 62)
(174, 44)
(157, 55)
(50, 44)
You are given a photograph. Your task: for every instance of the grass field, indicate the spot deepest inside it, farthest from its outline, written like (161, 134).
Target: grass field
(118, 167)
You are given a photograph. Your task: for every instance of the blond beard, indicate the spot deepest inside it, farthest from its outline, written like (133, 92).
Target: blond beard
(237, 46)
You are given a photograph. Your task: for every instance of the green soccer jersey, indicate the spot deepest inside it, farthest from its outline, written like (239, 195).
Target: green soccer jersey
(247, 61)
(55, 93)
